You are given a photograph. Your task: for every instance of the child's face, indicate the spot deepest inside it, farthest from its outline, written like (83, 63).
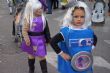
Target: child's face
(38, 12)
(78, 17)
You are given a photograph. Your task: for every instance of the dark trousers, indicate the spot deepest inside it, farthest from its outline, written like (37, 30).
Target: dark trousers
(55, 4)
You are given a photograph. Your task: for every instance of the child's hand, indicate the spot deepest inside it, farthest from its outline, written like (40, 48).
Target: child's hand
(27, 42)
(65, 56)
(34, 48)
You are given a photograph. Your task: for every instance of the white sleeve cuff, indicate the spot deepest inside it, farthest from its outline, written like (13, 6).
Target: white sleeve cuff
(60, 53)
(93, 47)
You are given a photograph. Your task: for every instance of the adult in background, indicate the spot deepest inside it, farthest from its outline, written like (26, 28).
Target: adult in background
(49, 5)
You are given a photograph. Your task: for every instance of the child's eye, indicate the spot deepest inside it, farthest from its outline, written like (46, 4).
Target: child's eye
(75, 16)
(79, 16)
(82, 16)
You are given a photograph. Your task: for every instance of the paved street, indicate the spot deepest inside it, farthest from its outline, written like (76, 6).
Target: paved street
(13, 60)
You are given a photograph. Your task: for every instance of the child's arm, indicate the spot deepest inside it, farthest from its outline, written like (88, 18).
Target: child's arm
(54, 43)
(95, 41)
(17, 18)
(25, 30)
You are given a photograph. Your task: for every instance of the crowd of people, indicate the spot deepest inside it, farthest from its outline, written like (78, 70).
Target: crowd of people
(74, 43)
(49, 5)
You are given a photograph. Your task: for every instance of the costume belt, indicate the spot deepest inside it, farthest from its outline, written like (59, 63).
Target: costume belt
(82, 61)
(35, 33)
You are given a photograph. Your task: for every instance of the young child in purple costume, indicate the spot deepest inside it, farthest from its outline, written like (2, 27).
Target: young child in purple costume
(36, 33)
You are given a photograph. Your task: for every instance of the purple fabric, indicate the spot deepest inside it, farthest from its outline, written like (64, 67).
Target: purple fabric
(43, 2)
(38, 41)
(37, 25)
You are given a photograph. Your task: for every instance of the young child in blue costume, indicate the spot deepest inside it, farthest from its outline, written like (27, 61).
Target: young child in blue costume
(75, 41)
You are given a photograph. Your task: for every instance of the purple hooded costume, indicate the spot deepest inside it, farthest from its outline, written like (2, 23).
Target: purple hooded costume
(37, 40)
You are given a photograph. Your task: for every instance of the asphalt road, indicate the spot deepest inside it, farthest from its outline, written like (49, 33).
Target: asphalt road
(13, 60)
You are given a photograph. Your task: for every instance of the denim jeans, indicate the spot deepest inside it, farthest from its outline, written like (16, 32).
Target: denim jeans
(49, 5)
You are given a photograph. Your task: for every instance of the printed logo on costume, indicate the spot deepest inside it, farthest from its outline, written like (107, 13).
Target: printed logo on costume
(80, 42)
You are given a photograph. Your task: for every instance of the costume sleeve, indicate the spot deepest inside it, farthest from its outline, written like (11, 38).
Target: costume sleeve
(64, 31)
(47, 33)
(54, 42)
(13, 30)
(25, 30)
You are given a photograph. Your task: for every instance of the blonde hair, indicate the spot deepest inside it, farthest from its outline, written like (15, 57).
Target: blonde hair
(31, 6)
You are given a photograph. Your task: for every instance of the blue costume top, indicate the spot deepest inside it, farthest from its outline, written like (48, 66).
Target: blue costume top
(74, 41)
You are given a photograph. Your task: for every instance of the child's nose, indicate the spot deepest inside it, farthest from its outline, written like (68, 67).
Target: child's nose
(79, 18)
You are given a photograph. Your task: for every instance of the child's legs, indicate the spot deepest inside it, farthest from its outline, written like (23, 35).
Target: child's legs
(42, 61)
(31, 62)
(43, 64)
(41, 58)
(31, 56)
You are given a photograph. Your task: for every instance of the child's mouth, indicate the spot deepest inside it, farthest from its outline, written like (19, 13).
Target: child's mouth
(78, 22)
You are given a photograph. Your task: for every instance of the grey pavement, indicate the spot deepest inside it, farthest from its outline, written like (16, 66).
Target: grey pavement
(13, 60)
